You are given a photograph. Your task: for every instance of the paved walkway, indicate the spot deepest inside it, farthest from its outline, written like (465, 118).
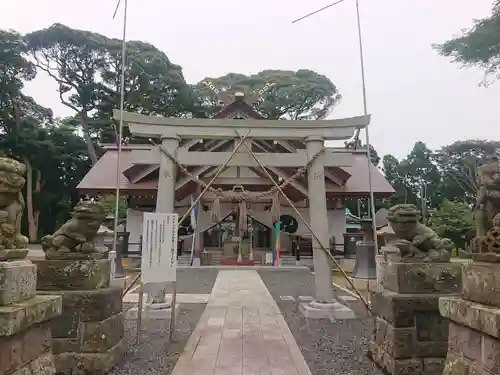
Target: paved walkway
(241, 332)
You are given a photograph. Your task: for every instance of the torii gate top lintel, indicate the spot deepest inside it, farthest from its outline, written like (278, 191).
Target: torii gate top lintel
(154, 127)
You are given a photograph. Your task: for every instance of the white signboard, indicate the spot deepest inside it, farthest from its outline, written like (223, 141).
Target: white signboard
(159, 248)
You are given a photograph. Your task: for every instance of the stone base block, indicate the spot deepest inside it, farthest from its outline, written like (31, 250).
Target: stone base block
(12, 254)
(156, 314)
(405, 366)
(423, 340)
(410, 335)
(27, 351)
(332, 311)
(471, 352)
(479, 317)
(422, 277)
(481, 282)
(17, 281)
(363, 284)
(20, 316)
(62, 274)
(87, 305)
(400, 309)
(71, 363)
(89, 331)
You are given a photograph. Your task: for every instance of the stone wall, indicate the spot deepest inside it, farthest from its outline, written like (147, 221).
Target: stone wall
(25, 334)
(474, 337)
(88, 336)
(410, 336)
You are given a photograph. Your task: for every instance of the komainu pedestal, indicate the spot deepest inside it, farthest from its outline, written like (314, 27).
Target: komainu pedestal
(24, 317)
(410, 335)
(474, 339)
(25, 336)
(88, 336)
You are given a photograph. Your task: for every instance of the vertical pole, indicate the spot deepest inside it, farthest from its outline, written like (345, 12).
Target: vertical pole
(277, 244)
(365, 110)
(171, 327)
(139, 313)
(120, 126)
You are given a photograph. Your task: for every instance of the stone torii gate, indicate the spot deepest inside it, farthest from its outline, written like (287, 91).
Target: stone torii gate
(314, 133)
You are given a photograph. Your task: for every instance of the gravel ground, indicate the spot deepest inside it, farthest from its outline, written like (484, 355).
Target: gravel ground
(153, 355)
(329, 348)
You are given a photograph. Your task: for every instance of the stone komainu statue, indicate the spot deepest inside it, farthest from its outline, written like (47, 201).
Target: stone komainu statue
(487, 208)
(12, 181)
(415, 240)
(75, 238)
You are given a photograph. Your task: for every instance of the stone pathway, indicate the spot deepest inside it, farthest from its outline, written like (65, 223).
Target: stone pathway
(241, 332)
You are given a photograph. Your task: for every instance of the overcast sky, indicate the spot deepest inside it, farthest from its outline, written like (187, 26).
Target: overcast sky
(413, 94)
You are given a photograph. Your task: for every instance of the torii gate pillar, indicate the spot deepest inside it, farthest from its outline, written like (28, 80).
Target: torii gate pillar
(167, 177)
(324, 305)
(319, 220)
(165, 201)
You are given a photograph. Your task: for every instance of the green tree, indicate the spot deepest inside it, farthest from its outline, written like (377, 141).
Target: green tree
(74, 59)
(414, 177)
(454, 220)
(395, 173)
(422, 174)
(458, 164)
(278, 94)
(28, 134)
(153, 86)
(479, 45)
(20, 116)
(109, 203)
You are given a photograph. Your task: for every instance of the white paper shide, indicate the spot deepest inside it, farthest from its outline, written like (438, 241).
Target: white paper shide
(159, 248)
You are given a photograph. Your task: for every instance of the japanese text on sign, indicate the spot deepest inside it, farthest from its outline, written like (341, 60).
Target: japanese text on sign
(159, 248)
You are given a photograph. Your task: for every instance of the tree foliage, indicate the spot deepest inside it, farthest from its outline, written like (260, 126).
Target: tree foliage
(454, 220)
(87, 68)
(52, 154)
(449, 176)
(479, 45)
(279, 94)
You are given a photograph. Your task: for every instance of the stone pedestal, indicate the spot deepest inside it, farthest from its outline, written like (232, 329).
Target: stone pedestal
(25, 336)
(474, 337)
(410, 336)
(88, 336)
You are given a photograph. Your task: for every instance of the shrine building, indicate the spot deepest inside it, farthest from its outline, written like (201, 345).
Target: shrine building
(241, 202)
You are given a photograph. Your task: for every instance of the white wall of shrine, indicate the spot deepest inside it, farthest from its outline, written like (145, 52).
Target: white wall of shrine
(336, 221)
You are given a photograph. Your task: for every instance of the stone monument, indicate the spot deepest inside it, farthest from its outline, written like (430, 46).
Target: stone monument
(474, 337)
(25, 333)
(88, 336)
(410, 336)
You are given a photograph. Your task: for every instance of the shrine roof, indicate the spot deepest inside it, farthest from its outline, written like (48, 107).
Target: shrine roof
(102, 176)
